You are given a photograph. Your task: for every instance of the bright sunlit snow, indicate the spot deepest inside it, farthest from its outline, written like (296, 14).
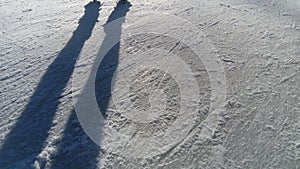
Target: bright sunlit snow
(150, 84)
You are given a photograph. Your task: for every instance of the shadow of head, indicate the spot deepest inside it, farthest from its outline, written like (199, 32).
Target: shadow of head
(87, 21)
(96, 4)
(92, 8)
(120, 11)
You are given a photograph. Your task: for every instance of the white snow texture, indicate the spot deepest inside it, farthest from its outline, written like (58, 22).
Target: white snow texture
(179, 84)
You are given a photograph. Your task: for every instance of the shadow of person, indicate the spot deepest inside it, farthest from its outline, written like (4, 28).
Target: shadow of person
(27, 137)
(71, 153)
(110, 61)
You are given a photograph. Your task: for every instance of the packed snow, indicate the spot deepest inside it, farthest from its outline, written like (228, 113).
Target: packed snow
(150, 84)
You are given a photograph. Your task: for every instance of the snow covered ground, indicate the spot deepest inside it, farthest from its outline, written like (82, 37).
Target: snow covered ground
(150, 84)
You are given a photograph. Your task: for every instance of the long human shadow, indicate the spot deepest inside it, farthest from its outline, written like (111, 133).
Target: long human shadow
(110, 61)
(103, 91)
(27, 137)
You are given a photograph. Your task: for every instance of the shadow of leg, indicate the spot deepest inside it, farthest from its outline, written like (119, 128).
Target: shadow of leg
(76, 149)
